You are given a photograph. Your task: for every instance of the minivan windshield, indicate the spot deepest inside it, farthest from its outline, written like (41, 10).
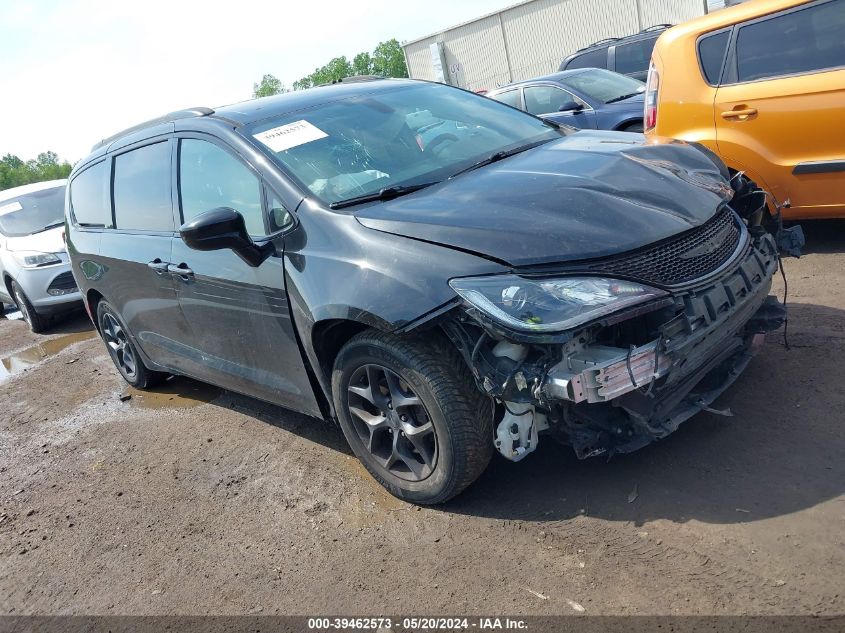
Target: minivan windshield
(395, 139)
(604, 85)
(32, 212)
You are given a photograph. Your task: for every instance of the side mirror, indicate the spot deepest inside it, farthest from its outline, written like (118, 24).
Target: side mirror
(224, 228)
(570, 105)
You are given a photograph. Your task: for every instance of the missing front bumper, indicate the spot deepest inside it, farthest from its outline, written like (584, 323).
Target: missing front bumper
(641, 414)
(616, 400)
(601, 373)
(622, 383)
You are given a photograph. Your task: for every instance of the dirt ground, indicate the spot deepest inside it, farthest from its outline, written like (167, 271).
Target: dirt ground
(194, 500)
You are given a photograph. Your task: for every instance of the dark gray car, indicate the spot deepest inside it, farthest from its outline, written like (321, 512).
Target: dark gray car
(443, 275)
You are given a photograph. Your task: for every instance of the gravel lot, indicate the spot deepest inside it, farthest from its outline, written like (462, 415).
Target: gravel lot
(194, 500)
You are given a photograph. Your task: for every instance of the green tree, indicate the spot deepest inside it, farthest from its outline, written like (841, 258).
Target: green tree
(14, 172)
(302, 84)
(268, 86)
(389, 59)
(46, 159)
(362, 64)
(336, 69)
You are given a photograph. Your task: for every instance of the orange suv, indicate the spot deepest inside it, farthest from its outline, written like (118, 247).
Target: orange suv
(762, 84)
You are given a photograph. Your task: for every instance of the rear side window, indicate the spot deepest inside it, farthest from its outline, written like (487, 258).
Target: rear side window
(591, 59)
(142, 189)
(88, 200)
(634, 57)
(807, 40)
(210, 177)
(511, 98)
(711, 54)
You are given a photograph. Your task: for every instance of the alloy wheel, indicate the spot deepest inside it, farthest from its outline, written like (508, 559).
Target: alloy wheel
(21, 301)
(119, 346)
(392, 423)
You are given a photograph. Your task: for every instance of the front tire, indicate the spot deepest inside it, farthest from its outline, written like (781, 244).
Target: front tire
(122, 350)
(36, 322)
(412, 414)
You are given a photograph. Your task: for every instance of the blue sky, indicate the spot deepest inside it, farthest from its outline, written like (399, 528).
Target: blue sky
(75, 71)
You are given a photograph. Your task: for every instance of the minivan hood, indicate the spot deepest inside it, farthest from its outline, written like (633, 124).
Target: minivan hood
(49, 241)
(587, 195)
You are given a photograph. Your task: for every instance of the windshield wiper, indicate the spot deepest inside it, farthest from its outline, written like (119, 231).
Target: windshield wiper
(386, 193)
(497, 156)
(615, 99)
(48, 227)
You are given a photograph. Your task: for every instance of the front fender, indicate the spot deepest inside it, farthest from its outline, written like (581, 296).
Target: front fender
(338, 270)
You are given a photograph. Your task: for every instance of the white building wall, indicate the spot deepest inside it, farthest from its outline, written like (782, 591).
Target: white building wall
(541, 33)
(669, 11)
(533, 37)
(481, 42)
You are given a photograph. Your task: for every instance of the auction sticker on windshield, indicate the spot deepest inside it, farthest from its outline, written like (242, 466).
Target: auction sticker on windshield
(290, 135)
(12, 206)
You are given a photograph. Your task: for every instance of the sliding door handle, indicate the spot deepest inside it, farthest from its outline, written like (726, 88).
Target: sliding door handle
(181, 270)
(159, 267)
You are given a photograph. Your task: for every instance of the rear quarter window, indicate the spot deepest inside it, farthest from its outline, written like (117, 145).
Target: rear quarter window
(142, 189)
(590, 59)
(634, 57)
(89, 197)
(711, 54)
(509, 97)
(810, 39)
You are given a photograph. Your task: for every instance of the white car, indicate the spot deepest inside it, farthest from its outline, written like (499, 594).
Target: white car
(36, 272)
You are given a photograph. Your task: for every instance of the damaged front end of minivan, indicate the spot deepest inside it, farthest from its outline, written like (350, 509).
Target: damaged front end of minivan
(611, 354)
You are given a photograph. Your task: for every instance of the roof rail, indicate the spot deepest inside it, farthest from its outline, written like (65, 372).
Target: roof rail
(167, 118)
(351, 79)
(656, 27)
(606, 40)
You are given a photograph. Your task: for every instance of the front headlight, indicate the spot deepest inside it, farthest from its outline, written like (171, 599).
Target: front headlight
(33, 259)
(544, 305)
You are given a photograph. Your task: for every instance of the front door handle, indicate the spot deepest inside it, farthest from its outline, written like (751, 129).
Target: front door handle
(158, 266)
(181, 270)
(736, 114)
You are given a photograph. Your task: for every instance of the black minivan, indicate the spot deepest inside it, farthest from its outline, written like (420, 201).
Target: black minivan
(441, 274)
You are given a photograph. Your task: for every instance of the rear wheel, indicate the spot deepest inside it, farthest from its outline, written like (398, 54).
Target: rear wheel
(634, 127)
(122, 350)
(36, 322)
(412, 415)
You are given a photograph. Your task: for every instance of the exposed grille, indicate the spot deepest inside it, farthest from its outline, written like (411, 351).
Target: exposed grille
(64, 281)
(688, 256)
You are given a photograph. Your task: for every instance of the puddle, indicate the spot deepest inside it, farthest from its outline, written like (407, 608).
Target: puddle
(175, 393)
(17, 362)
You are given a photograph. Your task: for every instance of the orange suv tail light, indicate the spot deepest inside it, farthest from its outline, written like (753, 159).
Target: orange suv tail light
(651, 88)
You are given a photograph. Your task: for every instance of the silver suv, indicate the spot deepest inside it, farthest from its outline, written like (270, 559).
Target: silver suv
(33, 261)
